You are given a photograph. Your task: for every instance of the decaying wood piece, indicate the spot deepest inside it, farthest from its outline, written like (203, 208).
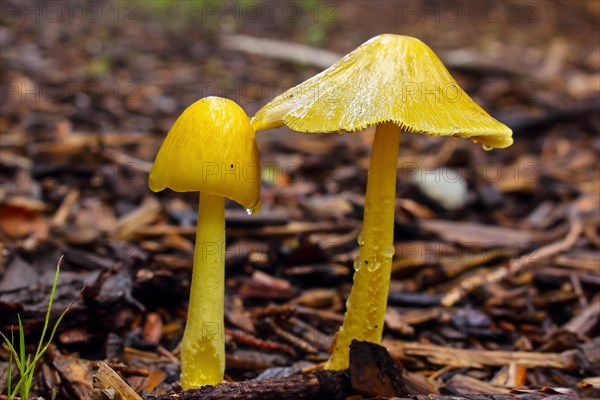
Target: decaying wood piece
(372, 373)
(232, 391)
(334, 385)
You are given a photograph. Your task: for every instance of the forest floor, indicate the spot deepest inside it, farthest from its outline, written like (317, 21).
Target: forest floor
(493, 291)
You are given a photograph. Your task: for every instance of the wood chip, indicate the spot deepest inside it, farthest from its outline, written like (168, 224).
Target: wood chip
(108, 385)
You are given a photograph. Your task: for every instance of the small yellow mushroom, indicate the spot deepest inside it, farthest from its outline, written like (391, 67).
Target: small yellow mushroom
(210, 149)
(396, 83)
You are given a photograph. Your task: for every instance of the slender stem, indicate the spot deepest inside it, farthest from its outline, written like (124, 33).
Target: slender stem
(203, 345)
(365, 308)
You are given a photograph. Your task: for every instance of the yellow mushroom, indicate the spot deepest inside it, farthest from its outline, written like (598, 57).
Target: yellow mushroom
(398, 84)
(210, 149)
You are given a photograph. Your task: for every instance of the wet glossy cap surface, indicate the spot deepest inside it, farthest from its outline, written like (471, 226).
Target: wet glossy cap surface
(389, 78)
(210, 148)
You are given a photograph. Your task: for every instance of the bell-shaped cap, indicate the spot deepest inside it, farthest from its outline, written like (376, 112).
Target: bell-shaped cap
(390, 78)
(211, 148)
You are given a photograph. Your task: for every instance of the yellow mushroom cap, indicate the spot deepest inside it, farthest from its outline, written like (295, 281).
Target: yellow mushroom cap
(211, 148)
(390, 78)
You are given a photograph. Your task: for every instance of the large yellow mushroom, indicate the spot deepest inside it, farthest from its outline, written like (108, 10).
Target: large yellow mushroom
(210, 149)
(398, 84)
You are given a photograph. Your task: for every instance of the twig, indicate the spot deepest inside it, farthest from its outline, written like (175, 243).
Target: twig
(466, 59)
(477, 358)
(516, 265)
(291, 338)
(128, 225)
(62, 214)
(281, 50)
(250, 340)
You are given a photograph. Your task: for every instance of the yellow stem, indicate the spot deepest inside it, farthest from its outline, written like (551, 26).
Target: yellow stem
(365, 308)
(203, 345)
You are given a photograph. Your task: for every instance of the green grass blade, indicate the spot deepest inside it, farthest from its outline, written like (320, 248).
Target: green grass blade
(50, 301)
(26, 363)
(20, 366)
(12, 350)
(55, 328)
(9, 370)
(21, 341)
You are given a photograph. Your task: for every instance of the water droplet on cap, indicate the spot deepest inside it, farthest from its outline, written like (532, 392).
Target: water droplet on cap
(254, 209)
(487, 148)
